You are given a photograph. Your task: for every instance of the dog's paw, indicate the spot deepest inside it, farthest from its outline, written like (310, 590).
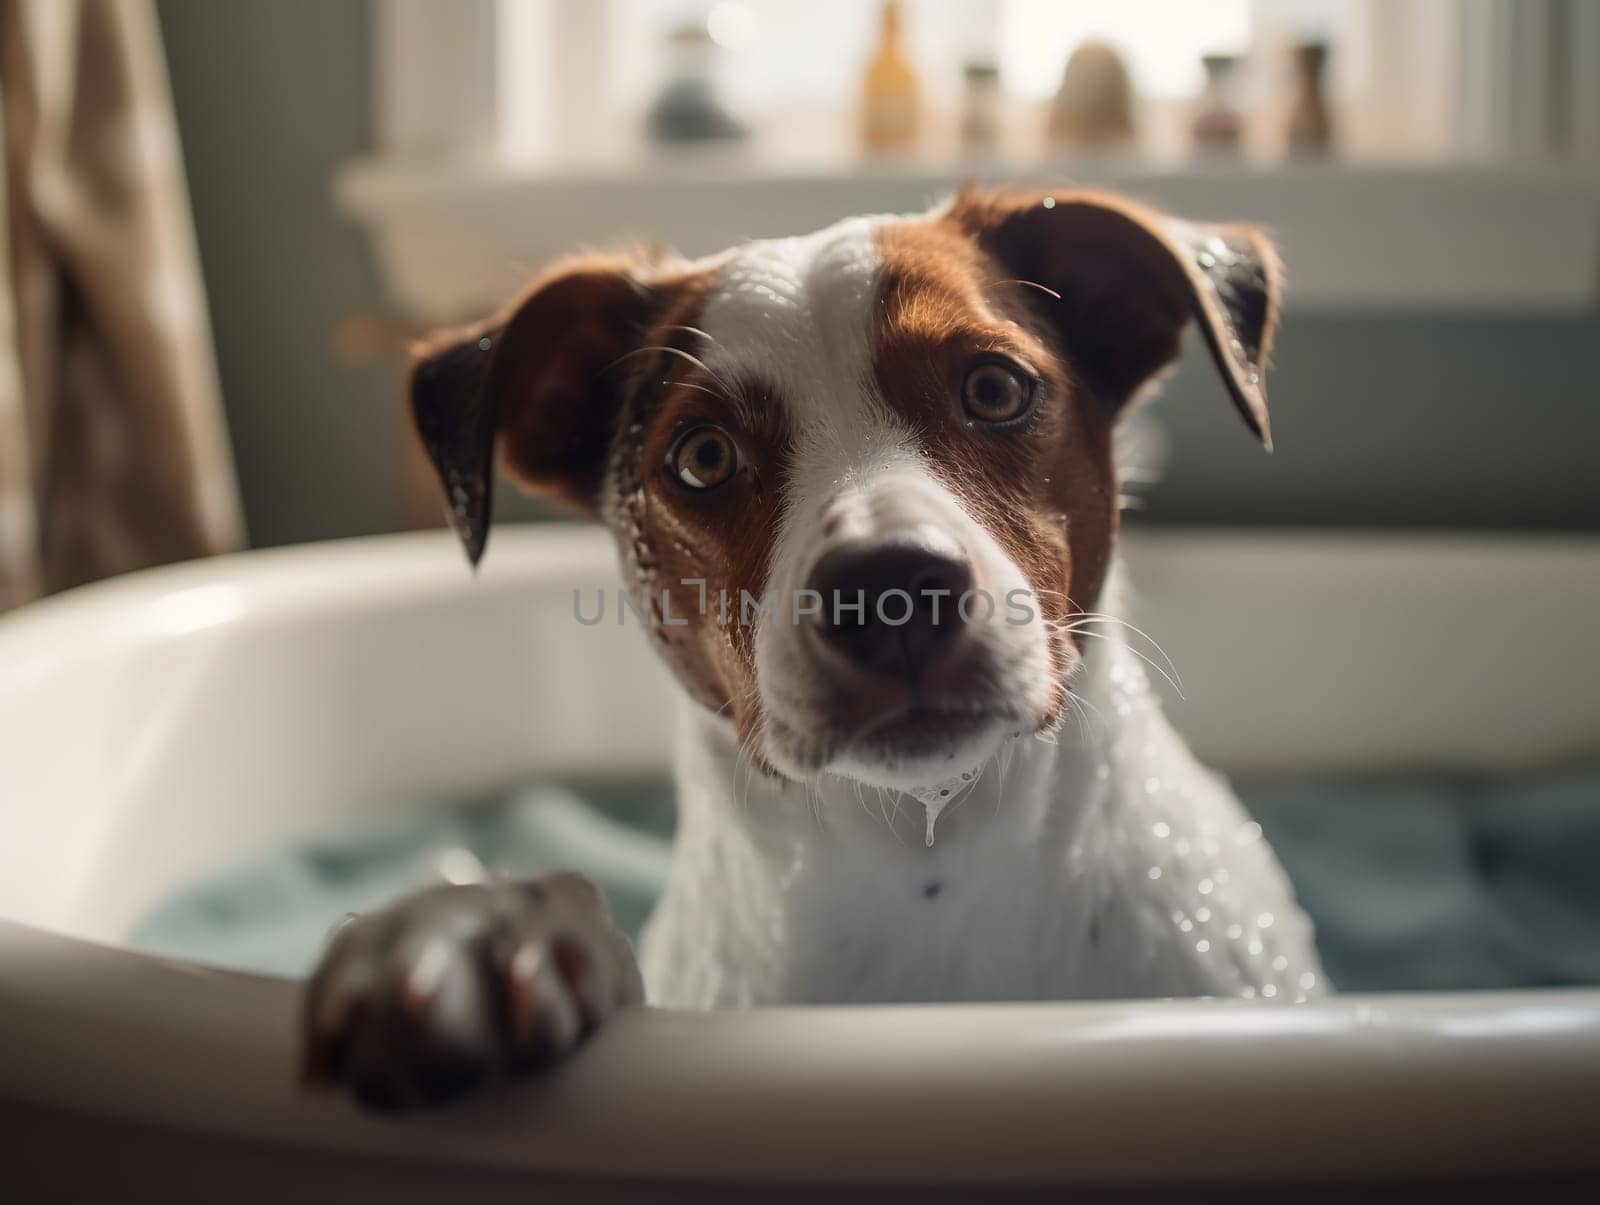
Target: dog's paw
(456, 987)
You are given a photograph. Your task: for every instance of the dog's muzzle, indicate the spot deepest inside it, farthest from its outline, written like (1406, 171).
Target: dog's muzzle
(890, 606)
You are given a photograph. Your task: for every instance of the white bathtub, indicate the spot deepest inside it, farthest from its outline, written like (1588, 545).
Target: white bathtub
(154, 727)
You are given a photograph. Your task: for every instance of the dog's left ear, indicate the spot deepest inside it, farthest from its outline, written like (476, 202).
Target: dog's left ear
(1128, 281)
(534, 382)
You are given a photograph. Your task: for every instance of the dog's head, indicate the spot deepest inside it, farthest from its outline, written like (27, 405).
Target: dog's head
(862, 479)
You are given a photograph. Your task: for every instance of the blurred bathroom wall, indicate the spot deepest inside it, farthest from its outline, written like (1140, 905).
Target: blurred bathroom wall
(271, 98)
(1415, 420)
(1487, 421)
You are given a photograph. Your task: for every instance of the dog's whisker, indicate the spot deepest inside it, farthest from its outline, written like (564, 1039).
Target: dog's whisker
(1009, 755)
(1080, 707)
(1085, 617)
(1172, 682)
(702, 389)
(1031, 284)
(691, 330)
(689, 357)
(1079, 624)
(888, 821)
(861, 798)
(894, 804)
(999, 759)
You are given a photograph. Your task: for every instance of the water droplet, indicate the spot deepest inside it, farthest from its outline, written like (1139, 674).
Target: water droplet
(1155, 872)
(460, 865)
(1307, 981)
(1264, 921)
(1204, 886)
(1202, 915)
(1280, 963)
(485, 343)
(1048, 202)
(1235, 932)
(1152, 785)
(1161, 829)
(1202, 946)
(933, 800)
(1185, 925)
(1269, 990)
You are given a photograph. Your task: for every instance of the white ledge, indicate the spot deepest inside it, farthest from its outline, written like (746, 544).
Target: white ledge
(455, 235)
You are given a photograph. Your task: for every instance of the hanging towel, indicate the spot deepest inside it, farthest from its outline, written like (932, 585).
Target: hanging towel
(113, 450)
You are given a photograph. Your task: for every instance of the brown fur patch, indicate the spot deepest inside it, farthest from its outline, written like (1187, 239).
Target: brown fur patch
(585, 382)
(691, 555)
(1044, 489)
(1129, 280)
(1091, 294)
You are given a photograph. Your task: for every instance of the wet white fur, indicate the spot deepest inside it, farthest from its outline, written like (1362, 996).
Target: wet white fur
(1100, 862)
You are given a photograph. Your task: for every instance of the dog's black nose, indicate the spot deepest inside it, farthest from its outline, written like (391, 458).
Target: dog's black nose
(892, 607)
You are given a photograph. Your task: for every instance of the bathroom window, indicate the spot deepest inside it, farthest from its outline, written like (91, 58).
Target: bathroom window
(777, 58)
(1408, 79)
(792, 71)
(1446, 114)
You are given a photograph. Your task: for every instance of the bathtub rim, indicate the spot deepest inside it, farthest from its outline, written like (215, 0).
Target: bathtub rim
(1355, 1088)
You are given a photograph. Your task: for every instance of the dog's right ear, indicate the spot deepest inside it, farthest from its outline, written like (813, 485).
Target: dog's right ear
(533, 379)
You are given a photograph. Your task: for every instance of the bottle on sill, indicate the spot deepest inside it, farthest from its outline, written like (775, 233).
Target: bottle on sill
(1217, 127)
(688, 107)
(980, 107)
(1310, 124)
(890, 101)
(1093, 108)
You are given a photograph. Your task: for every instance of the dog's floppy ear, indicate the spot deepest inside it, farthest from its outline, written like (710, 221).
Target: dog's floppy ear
(1128, 281)
(533, 379)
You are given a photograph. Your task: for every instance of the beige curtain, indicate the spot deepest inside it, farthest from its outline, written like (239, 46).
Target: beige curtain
(113, 453)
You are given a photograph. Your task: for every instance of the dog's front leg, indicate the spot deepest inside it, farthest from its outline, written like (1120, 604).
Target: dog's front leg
(456, 987)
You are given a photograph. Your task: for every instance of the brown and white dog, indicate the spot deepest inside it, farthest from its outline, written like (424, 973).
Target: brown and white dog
(910, 408)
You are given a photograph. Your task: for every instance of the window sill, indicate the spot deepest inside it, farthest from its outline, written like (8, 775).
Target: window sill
(454, 236)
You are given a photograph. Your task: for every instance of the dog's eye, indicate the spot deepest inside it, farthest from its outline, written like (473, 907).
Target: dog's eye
(995, 392)
(703, 458)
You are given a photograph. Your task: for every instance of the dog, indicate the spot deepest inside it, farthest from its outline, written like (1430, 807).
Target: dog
(877, 801)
